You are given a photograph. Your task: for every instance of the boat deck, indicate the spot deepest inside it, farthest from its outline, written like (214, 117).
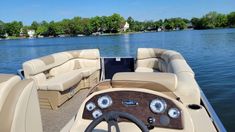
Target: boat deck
(55, 120)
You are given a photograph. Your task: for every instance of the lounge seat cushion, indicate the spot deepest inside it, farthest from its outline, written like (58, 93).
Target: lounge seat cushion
(63, 81)
(86, 72)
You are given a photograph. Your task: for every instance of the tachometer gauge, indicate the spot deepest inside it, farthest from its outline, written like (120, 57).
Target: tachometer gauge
(97, 113)
(158, 106)
(104, 102)
(90, 106)
(174, 113)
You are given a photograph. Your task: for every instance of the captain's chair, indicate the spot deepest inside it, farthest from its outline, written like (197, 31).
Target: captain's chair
(19, 106)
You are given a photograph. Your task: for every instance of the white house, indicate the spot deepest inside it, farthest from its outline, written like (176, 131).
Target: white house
(126, 26)
(31, 33)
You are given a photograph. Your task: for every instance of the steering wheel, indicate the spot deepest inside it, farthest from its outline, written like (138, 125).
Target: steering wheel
(112, 119)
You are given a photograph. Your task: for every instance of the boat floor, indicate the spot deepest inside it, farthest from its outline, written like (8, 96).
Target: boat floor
(55, 120)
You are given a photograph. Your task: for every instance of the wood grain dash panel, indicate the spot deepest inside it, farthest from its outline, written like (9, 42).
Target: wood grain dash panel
(141, 111)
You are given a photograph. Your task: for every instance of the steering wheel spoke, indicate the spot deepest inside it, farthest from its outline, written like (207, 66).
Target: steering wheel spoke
(112, 124)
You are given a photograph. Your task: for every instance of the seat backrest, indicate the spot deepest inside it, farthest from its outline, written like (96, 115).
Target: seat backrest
(172, 62)
(7, 82)
(162, 60)
(45, 67)
(163, 82)
(20, 111)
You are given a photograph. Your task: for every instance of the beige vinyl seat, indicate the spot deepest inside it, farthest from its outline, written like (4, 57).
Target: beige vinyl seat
(61, 75)
(161, 60)
(163, 82)
(19, 110)
(7, 82)
(62, 82)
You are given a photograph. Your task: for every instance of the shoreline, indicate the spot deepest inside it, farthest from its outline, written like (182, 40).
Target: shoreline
(104, 34)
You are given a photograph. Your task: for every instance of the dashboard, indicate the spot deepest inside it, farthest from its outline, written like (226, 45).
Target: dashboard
(153, 110)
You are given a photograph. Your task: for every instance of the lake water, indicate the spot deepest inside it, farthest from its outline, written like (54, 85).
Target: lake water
(210, 53)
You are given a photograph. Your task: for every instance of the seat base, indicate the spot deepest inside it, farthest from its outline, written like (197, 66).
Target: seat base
(54, 99)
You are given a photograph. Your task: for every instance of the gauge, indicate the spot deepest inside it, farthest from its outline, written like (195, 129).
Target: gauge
(90, 106)
(158, 105)
(96, 113)
(104, 102)
(174, 113)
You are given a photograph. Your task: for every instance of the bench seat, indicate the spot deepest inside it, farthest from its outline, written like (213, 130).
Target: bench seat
(60, 76)
(86, 72)
(169, 61)
(63, 81)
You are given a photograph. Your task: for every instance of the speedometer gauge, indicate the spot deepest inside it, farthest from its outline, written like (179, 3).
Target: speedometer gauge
(104, 102)
(158, 106)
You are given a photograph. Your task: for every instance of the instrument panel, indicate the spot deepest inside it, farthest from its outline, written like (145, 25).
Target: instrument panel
(153, 110)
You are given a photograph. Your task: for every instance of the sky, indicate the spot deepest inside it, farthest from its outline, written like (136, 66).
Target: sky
(39, 10)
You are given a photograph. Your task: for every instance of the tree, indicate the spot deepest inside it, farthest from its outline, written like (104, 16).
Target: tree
(24, 30)
(42, 29)
(149, 25)
(196, 23)
(131, 22)
(104, 23)
(87, 29)
(54, 29)
(2, 29)
(231, 19)
(169, 25)
(34, 25)
(115, 22)
(158, 24)
(179, 23)
(96, 23)
(221, 20)
(210, 20)
(14, 28)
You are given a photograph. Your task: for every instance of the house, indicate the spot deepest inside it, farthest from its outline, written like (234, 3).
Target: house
(31, 33)
(159, 29)
(125, 27)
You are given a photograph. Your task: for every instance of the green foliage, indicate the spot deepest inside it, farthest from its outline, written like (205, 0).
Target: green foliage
(34, 25)
(115, 24)
(25, 30)
(54, 29)
(231, 19)
(131, 22)
(2, 29)
(42, 29)
(14, 28)
(212, 20)
(96, 23)
(175, 23)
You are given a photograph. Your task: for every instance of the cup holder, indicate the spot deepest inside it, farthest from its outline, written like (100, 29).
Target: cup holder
(194, 106)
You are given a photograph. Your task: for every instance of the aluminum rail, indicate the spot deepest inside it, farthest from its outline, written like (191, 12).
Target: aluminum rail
(220, 127)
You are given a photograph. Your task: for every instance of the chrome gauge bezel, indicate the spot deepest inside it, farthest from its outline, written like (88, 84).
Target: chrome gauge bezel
(92, 105)
(95, 112)
(100, 100)
(153, 107)
(172, 111)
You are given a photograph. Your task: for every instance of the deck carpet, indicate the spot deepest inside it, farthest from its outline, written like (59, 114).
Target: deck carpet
(55, 120)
